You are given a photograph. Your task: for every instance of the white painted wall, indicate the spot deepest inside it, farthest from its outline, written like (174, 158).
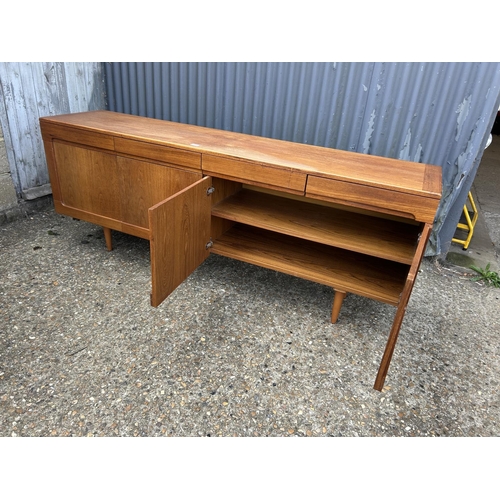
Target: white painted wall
(8, 198)
(27, 92)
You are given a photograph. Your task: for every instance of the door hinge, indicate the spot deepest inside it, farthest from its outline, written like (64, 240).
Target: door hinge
(210, 244)
(210, 190)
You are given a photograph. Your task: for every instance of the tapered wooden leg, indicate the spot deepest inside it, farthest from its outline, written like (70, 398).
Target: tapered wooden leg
(107, 237)
(400, 313)
(389, 348)
(337, 304)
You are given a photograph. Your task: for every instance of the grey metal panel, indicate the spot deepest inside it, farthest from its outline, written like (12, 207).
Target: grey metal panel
(31, 90)
(438, 113)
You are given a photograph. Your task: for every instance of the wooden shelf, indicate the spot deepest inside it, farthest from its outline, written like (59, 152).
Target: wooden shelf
(370, 235)
(341, 269)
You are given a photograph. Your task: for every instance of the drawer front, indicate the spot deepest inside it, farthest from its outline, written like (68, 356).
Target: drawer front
(405, 205)
(187, 159)
(82, 137)
(284, 179)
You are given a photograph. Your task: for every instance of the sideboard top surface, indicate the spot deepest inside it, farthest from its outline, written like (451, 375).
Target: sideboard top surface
(418, 178)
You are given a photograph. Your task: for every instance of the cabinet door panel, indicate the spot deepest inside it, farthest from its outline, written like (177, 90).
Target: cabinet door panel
(144, 184)
(180, 230)
(88, 180)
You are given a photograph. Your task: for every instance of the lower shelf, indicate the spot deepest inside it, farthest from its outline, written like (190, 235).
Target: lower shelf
(352, 272)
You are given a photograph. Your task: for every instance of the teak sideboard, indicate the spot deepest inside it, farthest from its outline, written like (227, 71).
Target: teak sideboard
(357, 223)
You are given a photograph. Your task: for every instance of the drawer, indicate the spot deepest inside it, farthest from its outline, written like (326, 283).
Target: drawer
(166, 154)
(407, 205)
(82, 137)
(273, 177)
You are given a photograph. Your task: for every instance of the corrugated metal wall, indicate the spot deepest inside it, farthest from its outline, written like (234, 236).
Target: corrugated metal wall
(439, 113)
(30, 90)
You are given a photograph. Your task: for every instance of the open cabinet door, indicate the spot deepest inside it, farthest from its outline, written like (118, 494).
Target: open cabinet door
(180, 231)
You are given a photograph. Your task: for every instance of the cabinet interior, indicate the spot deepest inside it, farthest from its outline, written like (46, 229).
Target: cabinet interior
(346, 250)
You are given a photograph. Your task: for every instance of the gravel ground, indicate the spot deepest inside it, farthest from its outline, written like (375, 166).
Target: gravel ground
(236, 350)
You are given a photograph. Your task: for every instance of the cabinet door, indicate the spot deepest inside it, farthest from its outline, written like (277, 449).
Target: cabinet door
(143, 184)
(180, 231)
(88, 180)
